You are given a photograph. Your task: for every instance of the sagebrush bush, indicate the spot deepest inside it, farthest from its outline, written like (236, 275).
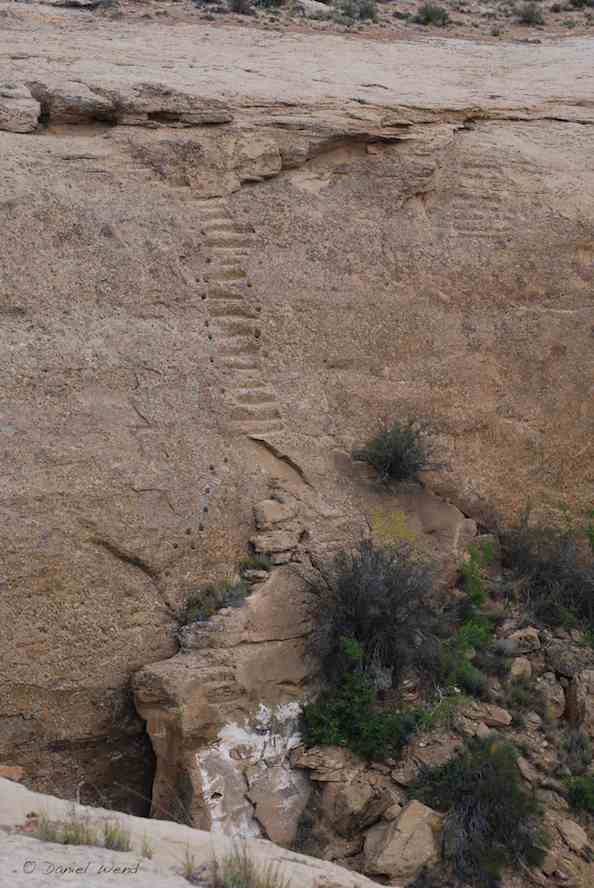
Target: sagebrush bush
(432, 14)
(201, 604)
(242, 7)
(577, 752)
(491, 822)
(522, 694)
(398, 452)
(529, 13)
(581, 793)
(555, 572)
(356, 10)
(378, 598)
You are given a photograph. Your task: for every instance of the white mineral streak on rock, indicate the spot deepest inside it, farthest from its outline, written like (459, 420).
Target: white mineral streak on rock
(249, 764)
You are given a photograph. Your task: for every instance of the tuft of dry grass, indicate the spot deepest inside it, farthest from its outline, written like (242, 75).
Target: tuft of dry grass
(239, 870)
(116, 837)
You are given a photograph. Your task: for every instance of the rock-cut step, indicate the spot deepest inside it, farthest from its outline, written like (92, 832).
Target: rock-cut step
(257, 427)
(263, 395)
(234, 326)
(238, 345)
(255, 412)
(224, 308)
(223, 275)
(241, 362)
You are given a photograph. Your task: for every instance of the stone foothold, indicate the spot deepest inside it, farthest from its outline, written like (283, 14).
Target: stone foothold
(552, 694)
(526, 640)
(270, 512)
(19, 111)
(573, 835)
(399, 850)
(521, 668)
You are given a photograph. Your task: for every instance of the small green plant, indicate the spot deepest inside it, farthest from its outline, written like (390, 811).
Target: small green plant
(492, 822)
(521, 695)
(582, 4)
(238, 869)
(529, 13)
(580, 792)
(472, 573)
(116, 837)
(398, 452)
(78, 831)
(255, 561)
(348, 11)
(432, 14)
(191, 872)
(47, 830)
(346, 716)
(202, 604)
(146, 848)
(577, 752)
(555, 574)
(241, 7)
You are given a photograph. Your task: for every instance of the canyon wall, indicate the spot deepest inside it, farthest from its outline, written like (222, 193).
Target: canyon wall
(223, 263)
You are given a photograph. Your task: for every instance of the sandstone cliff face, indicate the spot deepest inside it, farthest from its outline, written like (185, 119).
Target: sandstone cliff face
(215, 277)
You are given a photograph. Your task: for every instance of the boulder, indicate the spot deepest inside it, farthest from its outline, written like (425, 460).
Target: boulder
(568, 660)
(328, 763)
(12, 772)
(552, 694)
(574, 836)
(349, 808)
(270, 512)
(521, 668)
(400, 849)
(314, 10)
(526, 640)
(492, 716)
(19, 111)
(579, 695)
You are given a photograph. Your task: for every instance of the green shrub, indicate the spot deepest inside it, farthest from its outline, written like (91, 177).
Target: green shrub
(577, 752)
(581, 793)
(492, 822)
(255, 561)
(203, 603)
(529, 13)
(556, 575)
(398, 452)
(521, 694)
(465, 675)
(377, 598)
(472, 573)
(432, 14)
(345, 717)
(356, 10)
(492, 663)
(242, 7)
(581, 4)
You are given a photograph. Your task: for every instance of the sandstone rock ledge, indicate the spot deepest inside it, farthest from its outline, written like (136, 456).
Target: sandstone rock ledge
(25, 861)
